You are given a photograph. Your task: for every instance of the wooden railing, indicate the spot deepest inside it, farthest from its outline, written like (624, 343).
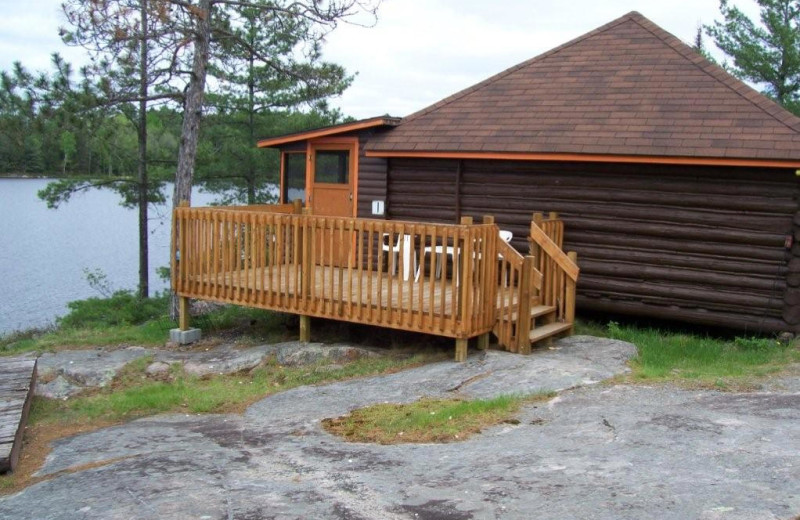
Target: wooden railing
(520, 283)
(294, 207)
(559, 270)
(375, 272)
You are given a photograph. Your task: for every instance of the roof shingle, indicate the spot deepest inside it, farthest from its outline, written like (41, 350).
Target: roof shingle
(626, 88)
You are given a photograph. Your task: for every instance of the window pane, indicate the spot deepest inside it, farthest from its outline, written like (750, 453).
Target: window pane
(332, 167)
(294, 185)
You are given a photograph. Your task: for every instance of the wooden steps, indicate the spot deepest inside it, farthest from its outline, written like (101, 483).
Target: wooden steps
(17, 381)
(545, 331)
(536, 311)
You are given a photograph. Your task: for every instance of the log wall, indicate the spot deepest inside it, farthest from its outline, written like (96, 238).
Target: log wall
(701, 244)
(372, 181)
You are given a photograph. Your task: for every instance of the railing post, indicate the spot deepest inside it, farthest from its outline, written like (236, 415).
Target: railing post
(569, 297)
(305, 275)
(489, 290)
(536, 219)
(462, 291)
(461, 275)
(524, 316)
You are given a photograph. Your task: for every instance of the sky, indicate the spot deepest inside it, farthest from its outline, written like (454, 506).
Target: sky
(419, 51)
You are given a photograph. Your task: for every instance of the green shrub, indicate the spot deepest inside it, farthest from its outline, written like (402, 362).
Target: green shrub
(754, 343)
(121, 308)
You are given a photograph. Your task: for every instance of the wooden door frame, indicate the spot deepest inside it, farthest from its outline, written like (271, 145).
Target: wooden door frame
(282, 175)
(333, 143)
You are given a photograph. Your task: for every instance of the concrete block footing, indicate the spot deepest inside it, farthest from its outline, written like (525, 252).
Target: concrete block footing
(184, 337)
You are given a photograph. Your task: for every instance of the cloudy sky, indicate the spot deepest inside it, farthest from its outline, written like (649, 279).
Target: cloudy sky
(419, 51)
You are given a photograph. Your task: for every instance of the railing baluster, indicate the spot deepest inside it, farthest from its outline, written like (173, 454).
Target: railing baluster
(360, 263)
(370, 268)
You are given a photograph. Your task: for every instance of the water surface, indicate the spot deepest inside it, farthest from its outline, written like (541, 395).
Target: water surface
(43, 252)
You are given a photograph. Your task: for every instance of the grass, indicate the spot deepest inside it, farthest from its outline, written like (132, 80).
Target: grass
(148, 334)
(695, 359)
(428, 420)
(133, 395)
(104, 322)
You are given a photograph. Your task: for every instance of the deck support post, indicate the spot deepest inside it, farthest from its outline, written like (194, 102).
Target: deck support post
(183, 313)
(184, 334)
(305, 328)
(483, 341)
(461, 349)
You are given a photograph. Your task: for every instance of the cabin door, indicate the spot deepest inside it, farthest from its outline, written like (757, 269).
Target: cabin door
(332, 180)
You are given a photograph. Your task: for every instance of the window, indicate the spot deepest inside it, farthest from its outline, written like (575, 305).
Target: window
(294, 182)
(332, 167)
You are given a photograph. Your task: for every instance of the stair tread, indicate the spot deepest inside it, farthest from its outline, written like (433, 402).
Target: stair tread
(536, 311)
(545, 331)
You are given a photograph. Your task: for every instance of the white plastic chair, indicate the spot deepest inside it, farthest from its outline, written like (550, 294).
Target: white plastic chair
(394, 247)
(506, 236)
(449, 251)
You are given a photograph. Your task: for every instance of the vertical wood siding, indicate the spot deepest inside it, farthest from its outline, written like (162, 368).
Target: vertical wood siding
(699, 244)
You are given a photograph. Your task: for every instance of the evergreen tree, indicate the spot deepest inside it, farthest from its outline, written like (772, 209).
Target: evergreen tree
(767, 54)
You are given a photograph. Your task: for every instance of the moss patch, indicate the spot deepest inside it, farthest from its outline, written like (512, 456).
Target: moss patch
(428, 420)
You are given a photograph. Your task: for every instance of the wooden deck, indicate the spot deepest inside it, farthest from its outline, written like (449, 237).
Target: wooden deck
(454, 280)
(339, 292)
(17, 381)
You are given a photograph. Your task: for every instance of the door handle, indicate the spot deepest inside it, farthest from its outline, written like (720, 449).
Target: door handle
(351, 196)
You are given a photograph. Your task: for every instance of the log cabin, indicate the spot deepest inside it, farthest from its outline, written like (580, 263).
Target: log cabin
(674, 183)
(677, 183)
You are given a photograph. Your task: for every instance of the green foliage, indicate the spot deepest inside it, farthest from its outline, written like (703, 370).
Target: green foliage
(428, 420)
(122, 308)
(152, 333)
(664, 354)
(767, 54)
(47, 120)
(98, 280)
(135, 395)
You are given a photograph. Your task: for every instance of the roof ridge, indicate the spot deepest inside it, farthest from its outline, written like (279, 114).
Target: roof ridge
(458, 95)
(754, 97)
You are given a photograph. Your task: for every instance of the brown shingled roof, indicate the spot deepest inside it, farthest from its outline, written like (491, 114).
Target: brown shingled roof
(627, 88)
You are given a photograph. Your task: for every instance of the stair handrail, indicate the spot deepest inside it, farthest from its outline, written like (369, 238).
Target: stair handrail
(552, 249)
(559, 269)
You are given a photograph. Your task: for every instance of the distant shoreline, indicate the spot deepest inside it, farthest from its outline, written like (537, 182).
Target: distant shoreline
(24, 176)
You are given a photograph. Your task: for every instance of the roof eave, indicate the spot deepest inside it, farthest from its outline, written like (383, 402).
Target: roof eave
(578, 157)
(327, 131)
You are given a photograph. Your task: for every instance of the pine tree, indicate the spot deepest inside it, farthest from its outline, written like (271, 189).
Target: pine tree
(767, 54)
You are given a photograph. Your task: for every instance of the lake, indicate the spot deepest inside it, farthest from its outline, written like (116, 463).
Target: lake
(43, 252)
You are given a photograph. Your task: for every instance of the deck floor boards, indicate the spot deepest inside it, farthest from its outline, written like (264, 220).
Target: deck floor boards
(394, 292)
(17, 380)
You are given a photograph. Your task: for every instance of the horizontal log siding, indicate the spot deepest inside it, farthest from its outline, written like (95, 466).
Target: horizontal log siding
(697, 244)
(422, 190)
(371, 183)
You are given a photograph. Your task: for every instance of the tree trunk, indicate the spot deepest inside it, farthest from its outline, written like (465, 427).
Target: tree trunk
(193, 107)
(251, 108)
(144, 283)
(192, 112)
